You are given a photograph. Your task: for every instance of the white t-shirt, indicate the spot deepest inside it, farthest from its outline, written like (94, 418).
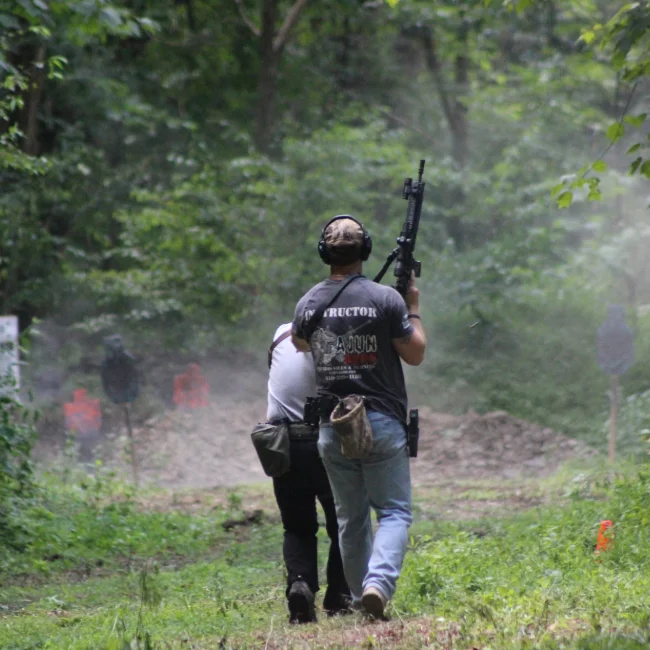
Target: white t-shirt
(292, 379)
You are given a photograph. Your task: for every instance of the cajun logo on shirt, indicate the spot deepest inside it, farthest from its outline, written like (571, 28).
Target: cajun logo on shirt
(344, 356)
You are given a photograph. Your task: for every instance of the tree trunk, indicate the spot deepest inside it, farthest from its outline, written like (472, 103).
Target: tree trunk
(455, 112)
(31, 144)
(189, 12)
(459, 132)
(268, 76)
(271, 46)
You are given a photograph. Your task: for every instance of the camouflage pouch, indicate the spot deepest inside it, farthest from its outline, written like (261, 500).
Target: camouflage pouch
(350, 422)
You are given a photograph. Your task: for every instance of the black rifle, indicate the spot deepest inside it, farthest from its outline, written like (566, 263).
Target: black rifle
(407, 264)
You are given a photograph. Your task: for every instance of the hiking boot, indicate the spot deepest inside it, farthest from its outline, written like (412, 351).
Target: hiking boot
(301, 603)
(374, 603)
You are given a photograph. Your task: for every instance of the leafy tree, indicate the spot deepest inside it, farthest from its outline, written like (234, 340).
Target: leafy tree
(34, 221)
(190, 150)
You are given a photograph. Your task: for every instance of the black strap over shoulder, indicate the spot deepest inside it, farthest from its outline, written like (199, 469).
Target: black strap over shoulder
(282, 337)
(318, 314)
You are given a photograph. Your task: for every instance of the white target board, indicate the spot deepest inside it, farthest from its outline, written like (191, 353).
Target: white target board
(9, 359)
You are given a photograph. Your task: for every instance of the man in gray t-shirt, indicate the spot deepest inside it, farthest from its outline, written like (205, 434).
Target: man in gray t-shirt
(357, 345)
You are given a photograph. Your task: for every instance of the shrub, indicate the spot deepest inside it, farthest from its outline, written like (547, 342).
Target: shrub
(633, 424)
(17, 434)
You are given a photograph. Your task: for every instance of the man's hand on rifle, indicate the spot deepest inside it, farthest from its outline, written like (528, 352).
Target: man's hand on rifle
(411, 348)
(412, 298)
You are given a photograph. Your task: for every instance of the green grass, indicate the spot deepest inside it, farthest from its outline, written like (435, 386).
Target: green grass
(203, 600)
(529, 576)
(171, 576)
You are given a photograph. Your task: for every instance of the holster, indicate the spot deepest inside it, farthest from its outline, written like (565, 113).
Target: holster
(352, 427)
(319, 407)
(413, 433)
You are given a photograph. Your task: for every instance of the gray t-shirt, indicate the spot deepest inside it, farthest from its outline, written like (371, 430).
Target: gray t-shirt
(352, 344)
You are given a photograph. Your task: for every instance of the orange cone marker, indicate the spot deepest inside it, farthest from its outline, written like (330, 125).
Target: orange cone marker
(605, 538)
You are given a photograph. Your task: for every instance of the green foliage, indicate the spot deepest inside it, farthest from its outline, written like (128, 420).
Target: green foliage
(626, 33)
(150, 570)
(35, 22)
(624, 39)
(194, 260)
(75, 522)
(35, 207)
(17, 436)
(182, 256)
(507, 334)
(537, 568)
(513, 325)
(633, 425)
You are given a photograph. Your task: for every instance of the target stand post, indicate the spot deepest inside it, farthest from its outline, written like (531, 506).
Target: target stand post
(613, 414)
(134, 456)
(615, 355)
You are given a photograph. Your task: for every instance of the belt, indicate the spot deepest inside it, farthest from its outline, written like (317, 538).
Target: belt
(302, 431)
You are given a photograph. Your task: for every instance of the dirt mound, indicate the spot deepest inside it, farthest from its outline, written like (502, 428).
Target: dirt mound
(492, 445)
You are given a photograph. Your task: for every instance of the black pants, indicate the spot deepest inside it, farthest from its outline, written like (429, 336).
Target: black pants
(296, 493)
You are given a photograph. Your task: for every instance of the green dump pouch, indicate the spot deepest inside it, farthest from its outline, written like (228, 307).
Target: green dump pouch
(271, 442)
(352, 427)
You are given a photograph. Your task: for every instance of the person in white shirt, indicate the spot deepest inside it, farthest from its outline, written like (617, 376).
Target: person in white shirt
(292, 379)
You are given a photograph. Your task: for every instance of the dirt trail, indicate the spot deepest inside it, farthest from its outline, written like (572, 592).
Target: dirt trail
(204, 448)
(210, 447)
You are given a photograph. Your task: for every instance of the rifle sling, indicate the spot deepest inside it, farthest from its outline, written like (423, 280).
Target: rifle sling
(282, 337)
(318, 314)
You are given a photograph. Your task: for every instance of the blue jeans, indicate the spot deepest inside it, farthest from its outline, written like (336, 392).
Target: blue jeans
(382, 481)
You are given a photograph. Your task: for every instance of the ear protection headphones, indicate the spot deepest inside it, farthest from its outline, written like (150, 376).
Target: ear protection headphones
(366, 243)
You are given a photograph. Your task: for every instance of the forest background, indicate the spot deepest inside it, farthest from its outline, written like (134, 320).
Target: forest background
(166, 167)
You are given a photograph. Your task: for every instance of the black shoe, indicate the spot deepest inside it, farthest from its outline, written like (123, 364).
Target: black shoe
(339, 606)
(301, 603)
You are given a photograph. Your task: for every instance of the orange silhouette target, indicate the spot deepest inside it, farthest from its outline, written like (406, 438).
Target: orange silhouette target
(191, 388)
(82, 415)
